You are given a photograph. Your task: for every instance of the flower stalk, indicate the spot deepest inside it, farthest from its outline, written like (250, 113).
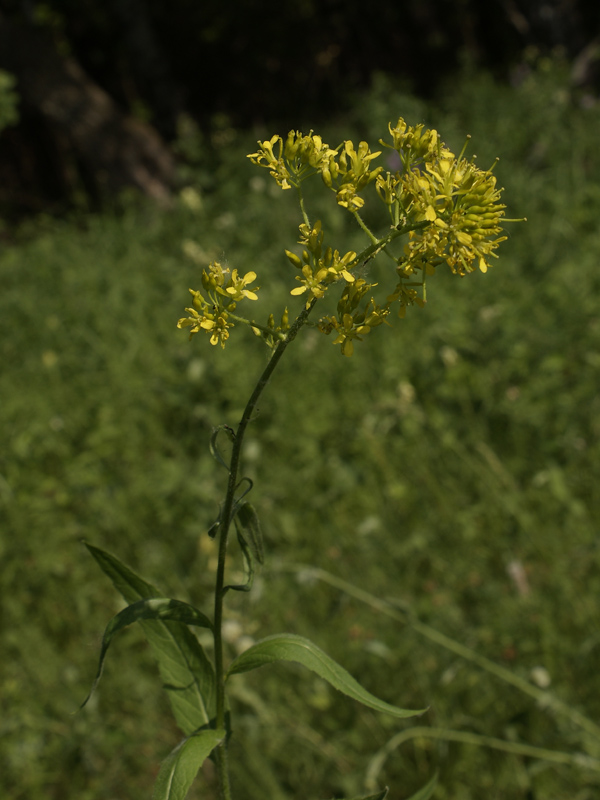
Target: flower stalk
(448, 212)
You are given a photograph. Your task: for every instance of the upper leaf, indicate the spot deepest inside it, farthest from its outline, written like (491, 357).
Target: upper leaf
(181, 766)
(187, 673)
(289, 647)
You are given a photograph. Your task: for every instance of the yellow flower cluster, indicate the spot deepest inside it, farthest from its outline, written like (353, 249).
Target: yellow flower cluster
(319, 269)
(345, 169)
(351, 323)
(299, 157)
(448, 210)
(459, 200)
(224, 290)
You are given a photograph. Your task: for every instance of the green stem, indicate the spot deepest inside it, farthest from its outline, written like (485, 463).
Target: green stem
(263, 328)
(376, 247)
(302, 209)
(372, 236)
(365, 227)
(226, 519)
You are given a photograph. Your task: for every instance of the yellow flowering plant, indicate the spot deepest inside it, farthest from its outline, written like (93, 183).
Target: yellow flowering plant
(439, 211)
(446, 209)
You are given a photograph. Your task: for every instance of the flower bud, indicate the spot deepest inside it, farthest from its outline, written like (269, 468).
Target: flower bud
(291, 146)
(296, 262)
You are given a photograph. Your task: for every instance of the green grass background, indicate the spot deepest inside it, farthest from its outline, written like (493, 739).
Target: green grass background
(445, 451)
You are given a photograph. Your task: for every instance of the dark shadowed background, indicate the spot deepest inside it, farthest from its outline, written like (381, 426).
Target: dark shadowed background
(103, 85)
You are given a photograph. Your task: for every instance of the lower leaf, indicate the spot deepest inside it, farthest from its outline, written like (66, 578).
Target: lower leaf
(181, 766)
(188, 675)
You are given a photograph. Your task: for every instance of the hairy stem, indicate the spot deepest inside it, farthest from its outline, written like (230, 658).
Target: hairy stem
(365, 228)
(376, 247)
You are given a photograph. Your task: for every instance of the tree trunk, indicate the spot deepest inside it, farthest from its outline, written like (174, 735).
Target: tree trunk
(112, 149)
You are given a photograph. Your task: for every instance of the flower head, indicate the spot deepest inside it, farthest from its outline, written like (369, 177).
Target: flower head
(265, 157)
(209, 319)
(448, 210)
(224, 291)
(461, 202)
(295, 160)
(350, 323)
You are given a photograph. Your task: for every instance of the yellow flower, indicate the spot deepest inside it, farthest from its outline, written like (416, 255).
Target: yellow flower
(319, 269)
(461, 201)
(350, 323)
(296, 160)
(347, 197)
(312, 238)
(413, 144)
(236, 286)
(350, 327)
(212, 321)
(265, 157)
(311, 282)
(224, 291)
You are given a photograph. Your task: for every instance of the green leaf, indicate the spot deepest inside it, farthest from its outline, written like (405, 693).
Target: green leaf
(426, 792)
(248, 561)
(187, 674)
(251, 530)
(181, 766)
(161, 608)
(214, 450)
(289, 647)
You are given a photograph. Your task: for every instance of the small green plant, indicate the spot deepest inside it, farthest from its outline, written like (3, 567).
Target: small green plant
(443, 211)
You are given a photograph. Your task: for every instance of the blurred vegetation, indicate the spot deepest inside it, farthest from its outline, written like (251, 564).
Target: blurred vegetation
(9, 100)
(451, 466)
(99, 81)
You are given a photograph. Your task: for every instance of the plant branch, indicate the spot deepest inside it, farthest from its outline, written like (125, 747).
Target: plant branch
(376, 247)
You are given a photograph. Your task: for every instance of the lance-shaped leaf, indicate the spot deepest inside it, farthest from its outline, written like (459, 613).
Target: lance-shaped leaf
(159, 608)
(187, 674)
(181, 766)
(289, 647)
